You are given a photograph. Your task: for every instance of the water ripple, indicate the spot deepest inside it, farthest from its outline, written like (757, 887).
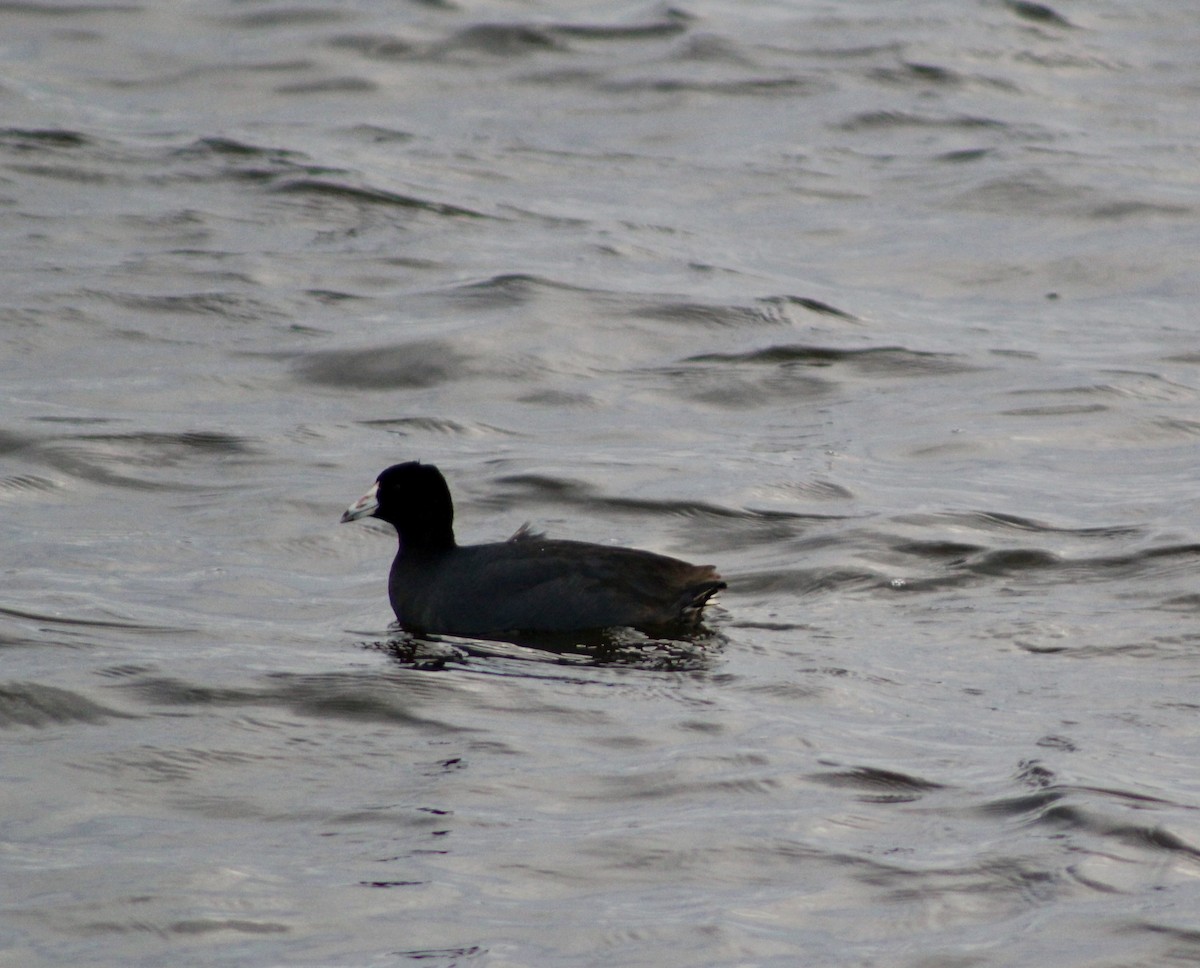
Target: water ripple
(38, 705)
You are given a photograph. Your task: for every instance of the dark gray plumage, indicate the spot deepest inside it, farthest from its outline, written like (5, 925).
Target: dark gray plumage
(528, 583)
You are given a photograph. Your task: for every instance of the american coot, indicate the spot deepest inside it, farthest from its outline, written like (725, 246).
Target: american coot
(527, 583)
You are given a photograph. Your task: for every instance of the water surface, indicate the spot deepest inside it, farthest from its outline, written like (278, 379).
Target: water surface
(887, 311)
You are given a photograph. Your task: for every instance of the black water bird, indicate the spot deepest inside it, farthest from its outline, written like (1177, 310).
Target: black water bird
(526, 584)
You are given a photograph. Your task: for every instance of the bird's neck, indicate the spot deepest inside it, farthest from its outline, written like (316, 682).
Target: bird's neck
(425, 542)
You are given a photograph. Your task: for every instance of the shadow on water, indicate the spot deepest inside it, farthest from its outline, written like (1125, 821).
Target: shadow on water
(665, 651)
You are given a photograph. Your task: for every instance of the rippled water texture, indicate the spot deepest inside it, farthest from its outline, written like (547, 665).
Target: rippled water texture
(887, 310)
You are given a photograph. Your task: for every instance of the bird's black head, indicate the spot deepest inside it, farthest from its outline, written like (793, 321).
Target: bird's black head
(414, 498)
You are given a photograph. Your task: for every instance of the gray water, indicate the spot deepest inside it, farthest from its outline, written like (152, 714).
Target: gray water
(887, 310)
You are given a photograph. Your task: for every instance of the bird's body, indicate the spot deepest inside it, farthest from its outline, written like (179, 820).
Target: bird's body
(528, 583)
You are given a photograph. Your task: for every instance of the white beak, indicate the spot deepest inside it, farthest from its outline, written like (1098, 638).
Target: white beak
(364, 507)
